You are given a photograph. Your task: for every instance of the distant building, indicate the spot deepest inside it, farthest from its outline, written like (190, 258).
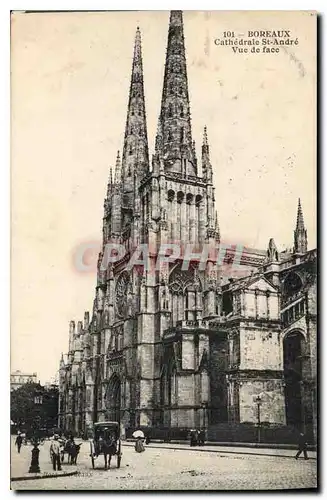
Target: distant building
(18, 378)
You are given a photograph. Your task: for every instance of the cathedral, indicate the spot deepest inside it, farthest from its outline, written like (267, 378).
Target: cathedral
(169, 347)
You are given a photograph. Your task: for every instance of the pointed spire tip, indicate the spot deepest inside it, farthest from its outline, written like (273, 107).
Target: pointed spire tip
(176, 18)
(205, 136)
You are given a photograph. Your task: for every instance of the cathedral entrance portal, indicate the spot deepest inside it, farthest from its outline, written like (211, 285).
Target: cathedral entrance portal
(292, 348)
(113, 397)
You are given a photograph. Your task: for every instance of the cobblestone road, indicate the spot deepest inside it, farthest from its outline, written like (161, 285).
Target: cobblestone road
(165, 469)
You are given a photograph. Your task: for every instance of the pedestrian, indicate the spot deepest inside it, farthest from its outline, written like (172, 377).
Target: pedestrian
(19, 441)
(55, 453)
(139, 446)
(194, 438)
(302, 447)
(71, 440)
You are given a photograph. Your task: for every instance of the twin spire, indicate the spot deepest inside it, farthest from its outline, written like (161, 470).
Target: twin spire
(174, 134)
(135, 151)
(174, 138)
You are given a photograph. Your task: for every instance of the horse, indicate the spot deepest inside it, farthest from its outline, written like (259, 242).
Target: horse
(72, 449)
(108, 447)
(73, 453)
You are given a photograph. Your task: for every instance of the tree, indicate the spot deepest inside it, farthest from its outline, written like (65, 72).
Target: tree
(33, 405)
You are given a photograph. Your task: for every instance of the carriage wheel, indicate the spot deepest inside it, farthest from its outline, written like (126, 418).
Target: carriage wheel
(92, 460)
(118, 461)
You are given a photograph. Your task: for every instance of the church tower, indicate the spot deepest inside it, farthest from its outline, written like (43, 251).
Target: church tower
(177, 208)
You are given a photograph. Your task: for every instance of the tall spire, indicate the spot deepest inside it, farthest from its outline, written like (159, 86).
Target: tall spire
(300, 233)
(175, 118)
(135, 151)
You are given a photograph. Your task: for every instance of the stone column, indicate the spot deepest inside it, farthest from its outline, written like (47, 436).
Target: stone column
(198, 304)
(201, 221)
(174, 234)
(184, 222)
(193, 222)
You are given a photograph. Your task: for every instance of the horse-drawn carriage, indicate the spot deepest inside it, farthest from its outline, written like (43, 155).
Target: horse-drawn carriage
(106, 441)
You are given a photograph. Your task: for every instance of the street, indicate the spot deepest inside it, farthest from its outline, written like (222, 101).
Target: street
(164, 469)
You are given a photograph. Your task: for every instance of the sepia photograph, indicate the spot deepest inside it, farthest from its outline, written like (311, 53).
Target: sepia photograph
(164, 251)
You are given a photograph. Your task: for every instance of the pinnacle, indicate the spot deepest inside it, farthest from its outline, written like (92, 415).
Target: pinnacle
(110, 182)
(118, 169)
(300, 218)
(205, 136)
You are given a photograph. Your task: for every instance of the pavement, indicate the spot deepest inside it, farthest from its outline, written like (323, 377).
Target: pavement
(244, 450)
(20, 463)
(164, 467)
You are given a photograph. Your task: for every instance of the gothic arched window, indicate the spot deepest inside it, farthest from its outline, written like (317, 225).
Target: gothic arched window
(185, 294)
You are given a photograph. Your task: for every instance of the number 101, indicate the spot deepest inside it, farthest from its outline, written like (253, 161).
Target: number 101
(229, 34)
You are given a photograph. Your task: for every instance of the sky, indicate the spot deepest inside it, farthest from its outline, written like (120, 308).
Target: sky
(69, 92)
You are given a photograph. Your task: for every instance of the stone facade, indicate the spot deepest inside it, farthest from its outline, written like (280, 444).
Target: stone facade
(175, 347)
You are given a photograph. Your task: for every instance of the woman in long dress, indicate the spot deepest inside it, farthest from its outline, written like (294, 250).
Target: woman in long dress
(139, 446)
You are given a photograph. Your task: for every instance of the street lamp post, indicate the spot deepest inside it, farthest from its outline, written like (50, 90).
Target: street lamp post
(35, 466)
(258, 401)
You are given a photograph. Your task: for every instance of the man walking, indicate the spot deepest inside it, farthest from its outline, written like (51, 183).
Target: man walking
(55, 453)
(19, 441)
(302, 447)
